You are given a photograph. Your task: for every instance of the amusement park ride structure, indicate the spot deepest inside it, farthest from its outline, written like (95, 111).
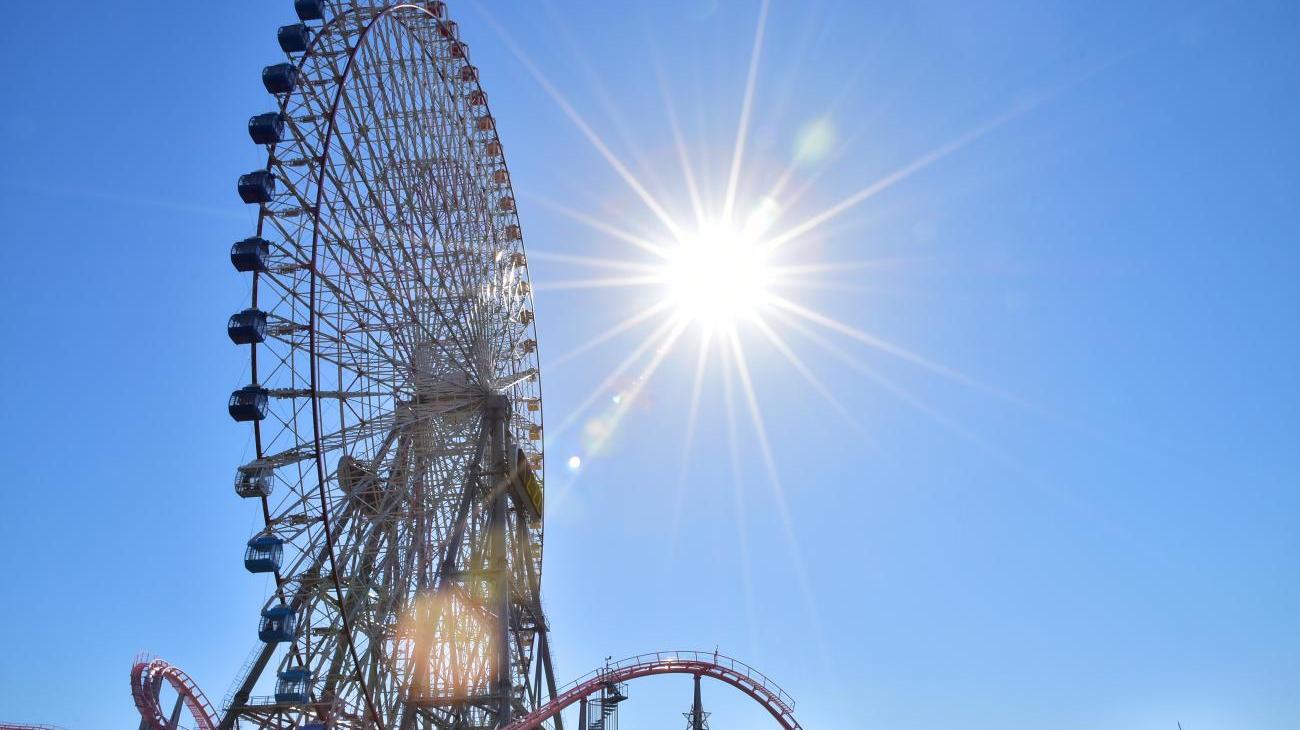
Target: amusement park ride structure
(395, 404)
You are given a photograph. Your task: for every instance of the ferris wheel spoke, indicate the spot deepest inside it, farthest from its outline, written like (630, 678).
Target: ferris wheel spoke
(332, 232)
(399, 203)
(391, 151)
(386, 293)
(363, 325)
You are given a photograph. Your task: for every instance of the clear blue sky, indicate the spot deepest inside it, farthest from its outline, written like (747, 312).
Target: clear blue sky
(1110, 542)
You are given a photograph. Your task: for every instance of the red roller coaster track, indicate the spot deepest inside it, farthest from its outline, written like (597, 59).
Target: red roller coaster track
(147, 676)
(706, 664)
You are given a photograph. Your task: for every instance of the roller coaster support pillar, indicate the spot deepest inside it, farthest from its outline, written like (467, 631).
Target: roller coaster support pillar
(697, 708)
(175, 720)
(157, 694)
(582, 714)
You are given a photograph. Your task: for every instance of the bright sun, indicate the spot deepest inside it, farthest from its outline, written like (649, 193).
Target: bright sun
(717, 277)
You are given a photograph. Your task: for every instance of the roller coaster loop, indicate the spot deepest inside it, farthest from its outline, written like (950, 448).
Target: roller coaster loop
(147, 676)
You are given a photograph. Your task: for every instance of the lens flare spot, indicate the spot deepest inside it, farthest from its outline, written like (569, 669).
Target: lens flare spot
(814, 141)
(575, 462)
(454, 623)
(762, 217)
(596, 433)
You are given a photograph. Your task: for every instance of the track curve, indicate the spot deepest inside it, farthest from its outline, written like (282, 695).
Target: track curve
(706, 664)
(147, 676)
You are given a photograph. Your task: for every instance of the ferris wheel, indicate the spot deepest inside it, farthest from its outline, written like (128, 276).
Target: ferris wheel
(394, 392)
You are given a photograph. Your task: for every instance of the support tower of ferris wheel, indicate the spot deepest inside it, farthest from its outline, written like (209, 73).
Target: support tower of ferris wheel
(395, 393)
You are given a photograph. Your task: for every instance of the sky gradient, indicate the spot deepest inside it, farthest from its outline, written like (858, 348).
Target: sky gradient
(1078, 511)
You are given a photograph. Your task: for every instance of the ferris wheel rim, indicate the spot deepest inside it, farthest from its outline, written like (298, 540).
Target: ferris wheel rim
(316, 276)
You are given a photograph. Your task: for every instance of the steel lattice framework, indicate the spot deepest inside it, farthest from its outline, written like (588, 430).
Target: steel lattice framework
(396, 398)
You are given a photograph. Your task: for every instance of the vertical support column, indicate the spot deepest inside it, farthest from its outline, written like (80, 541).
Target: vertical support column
(498, 409)
(447, 566)
(697, 708)
(175, 720)
(157, 693)
(582, 714)
(550, 669)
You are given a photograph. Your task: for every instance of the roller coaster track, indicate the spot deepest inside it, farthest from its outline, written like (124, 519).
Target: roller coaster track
(147, 677)
(706, 664)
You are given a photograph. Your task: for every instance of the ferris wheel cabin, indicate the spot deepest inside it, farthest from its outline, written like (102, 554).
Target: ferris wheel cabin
(309, 9)
(255, 480)
(247, 327)
(249, 403)
(293, 38)
(266, 128)
(280, 78)
(250, 254)
(277, 625)
(257, 186)
(293, 685)
(264, 554)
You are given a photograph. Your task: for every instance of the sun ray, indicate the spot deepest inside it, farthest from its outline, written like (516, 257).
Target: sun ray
(897, 176)
(600, 92)
(1015, 111)
(825, 286)
(909, 398)
(610, 282)
(851, 80)
(688, 439)
(811, 181)
(596, 223)
(663, 337)
(778, 492)
(782, 303)
(625, 402)
(593, 261)
(746, 108)
(628, 398)
(861, 129)
(610, 333)
(800, 367)
(906, 396)
(898, 352)
(787, 175)
(857, 265)
(742, 530)
(703, 151)
(1031, 476)
(581, 124)
(679, 140)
